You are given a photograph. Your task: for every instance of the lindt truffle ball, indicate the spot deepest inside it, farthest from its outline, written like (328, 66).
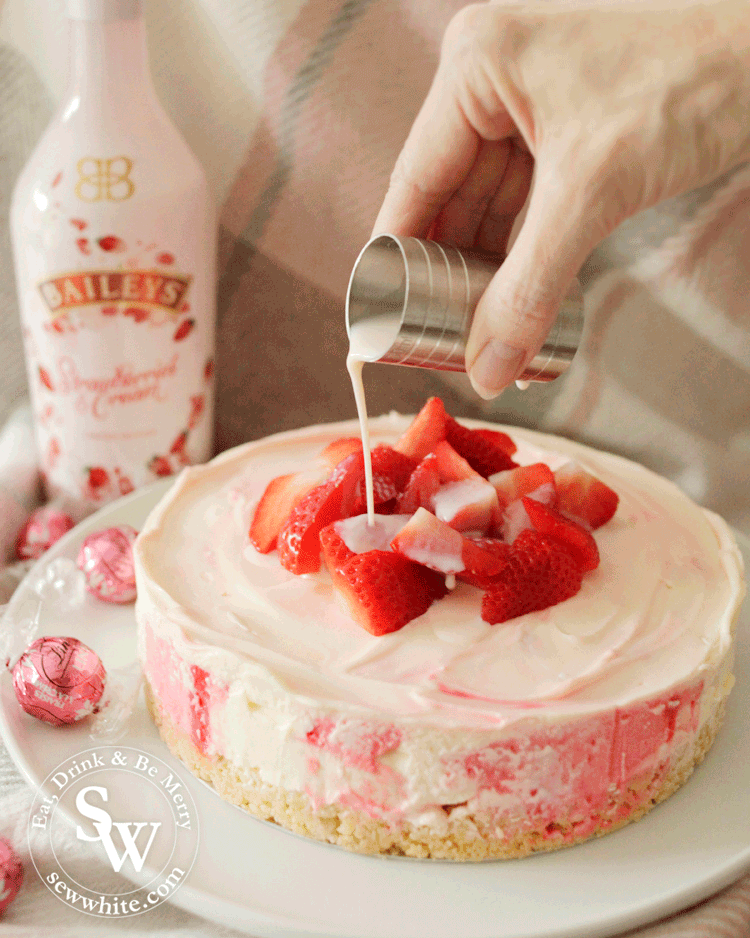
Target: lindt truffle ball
(11, 875)
(59, 680)
(43, 528)
(106, 559)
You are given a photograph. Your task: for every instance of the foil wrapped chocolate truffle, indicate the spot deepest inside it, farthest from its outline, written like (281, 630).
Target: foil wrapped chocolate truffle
(59, 680)
(43, 528)
(11, 874)
(106, 559)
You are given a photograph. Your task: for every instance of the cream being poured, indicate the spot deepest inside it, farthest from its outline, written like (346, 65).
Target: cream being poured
(369, 340)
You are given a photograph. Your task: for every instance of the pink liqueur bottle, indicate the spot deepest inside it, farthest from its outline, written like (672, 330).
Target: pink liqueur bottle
(114, 237)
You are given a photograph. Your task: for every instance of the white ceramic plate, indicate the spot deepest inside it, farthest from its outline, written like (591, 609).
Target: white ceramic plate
(255, 876)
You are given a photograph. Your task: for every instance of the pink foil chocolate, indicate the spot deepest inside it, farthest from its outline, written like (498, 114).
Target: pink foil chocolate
(11, 874)
(43, 528)
(59, 680)
(106, 559)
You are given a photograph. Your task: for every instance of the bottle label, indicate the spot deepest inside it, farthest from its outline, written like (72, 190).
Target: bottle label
(147, 287)
(118, 325)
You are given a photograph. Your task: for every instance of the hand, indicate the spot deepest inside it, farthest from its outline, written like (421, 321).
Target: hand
(594, 115)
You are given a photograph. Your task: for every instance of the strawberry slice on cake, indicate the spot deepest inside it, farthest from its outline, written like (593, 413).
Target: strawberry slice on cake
(450, 502)
(583, 496)
(381, 590)
(538, 573)
(465, 500)
(432, 543)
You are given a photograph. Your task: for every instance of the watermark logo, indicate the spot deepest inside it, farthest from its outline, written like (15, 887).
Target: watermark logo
(129, 810)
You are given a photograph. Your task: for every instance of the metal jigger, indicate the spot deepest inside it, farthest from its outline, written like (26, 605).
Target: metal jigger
(415, 300)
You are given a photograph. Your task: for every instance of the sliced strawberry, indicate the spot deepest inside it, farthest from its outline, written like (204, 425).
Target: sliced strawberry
(486, 451)
(511, 484)
(571, 535)
(359, 535)
(298, 540)
(391, 471)
(584, 496)
(333, 546)
(390, 474)
(538, 573)
(432, 543)
(465, 500)
(485, 562)
(467, 506)
(340, 449)
(428, 541)
(451, 466)
(515, 519)
(427, 429)
(282, 494)
(383, 591)
(422, 485)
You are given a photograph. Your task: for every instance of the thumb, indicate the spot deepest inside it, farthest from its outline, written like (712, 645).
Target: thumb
(519, 307)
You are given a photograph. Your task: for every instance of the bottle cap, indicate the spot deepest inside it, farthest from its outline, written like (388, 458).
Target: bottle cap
(101, 11)
(412, 302)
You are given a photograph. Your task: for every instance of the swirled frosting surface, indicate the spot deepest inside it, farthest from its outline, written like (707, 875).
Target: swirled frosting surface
(656, 613)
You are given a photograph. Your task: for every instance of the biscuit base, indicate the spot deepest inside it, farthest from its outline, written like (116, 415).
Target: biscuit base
(469, 838)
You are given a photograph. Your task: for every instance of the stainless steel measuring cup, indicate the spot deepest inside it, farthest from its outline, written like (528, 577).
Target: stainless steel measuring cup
(412, 301)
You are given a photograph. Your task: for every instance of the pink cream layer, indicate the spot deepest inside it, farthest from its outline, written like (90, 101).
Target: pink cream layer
(582, 774)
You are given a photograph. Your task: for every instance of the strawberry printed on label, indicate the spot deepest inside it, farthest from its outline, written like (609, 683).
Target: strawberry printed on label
(53, 452)
(208, 371)
(111, 243)
(83, 245)
(184, 330)
(138, 314)
(197, 406)
(124, 484)
(45, 379)
(178, 446)
(79, 223)
(165, 258)
(161, 466)
(98, 477)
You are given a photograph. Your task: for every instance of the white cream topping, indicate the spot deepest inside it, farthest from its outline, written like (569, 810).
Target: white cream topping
(360, 536)
(657, 612)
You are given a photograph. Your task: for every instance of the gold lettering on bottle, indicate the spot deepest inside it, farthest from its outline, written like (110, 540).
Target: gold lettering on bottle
(71, 295)
(151, 287)
(170, 293)
(104, 179)
(88, 287)
(130, 287)
(104, 289)
(52, 295)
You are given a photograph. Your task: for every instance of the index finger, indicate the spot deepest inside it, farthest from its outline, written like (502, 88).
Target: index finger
(438, 154)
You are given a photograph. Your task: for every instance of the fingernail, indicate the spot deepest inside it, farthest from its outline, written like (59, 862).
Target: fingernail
(495, 367)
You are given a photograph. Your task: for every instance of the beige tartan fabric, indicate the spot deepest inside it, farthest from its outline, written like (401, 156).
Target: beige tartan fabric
(297, 109)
